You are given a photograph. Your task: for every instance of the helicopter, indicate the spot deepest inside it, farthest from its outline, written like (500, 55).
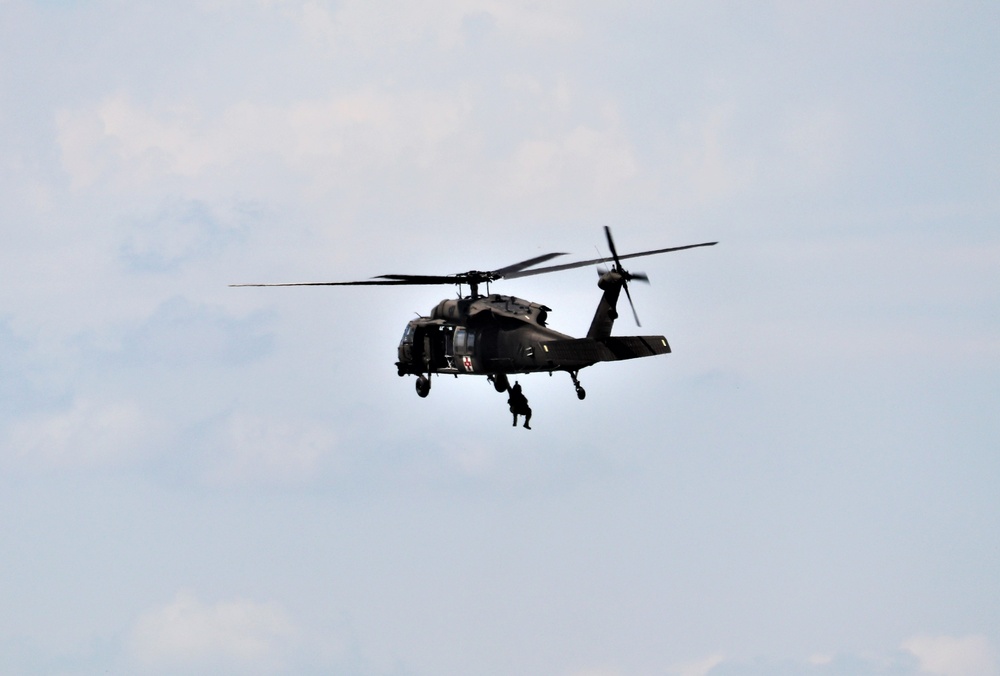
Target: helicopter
(499, 336)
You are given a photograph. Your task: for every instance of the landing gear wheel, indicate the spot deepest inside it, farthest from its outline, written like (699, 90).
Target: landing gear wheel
(423, 385)
(580, 392)
(500, 382)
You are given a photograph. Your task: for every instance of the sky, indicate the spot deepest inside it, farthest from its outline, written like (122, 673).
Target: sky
(201, 479)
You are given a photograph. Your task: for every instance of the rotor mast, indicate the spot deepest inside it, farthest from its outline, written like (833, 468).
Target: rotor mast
(474, 287)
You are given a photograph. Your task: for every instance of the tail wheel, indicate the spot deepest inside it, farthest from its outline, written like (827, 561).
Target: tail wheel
(423, 386)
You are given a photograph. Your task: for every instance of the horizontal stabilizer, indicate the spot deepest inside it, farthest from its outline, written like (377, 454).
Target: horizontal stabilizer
(579, 352)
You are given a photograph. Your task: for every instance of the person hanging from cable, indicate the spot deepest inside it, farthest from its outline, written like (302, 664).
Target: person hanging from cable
(519, 405)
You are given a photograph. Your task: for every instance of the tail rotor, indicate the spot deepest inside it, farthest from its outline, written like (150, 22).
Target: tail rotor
(625, 274)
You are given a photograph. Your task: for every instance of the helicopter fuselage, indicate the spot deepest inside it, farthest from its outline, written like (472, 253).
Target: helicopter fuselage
(483, 336)
(498, 335)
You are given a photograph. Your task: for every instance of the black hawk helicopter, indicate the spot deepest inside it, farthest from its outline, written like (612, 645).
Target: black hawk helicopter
(496, 336)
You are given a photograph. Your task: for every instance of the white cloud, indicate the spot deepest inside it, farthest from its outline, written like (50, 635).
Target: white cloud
(954, 656)
(257, 449)
(927, 655)
(133, 145)
(353, 141)
(583, 160)
(598, 671)
(816, 141)
(697, 667)
(820, 659)
(188, 634)
(378, 26)
(709, 167)
(87, 434)
(474, 459)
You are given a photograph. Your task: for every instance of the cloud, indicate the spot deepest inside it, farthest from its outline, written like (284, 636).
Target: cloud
(839, 665)
(190, 635)
(180, 231)
(438, 145)
(711, 165)
(131, 144)
(920, 655)
(256, 449)
(814, 142)
(585, 158)
(697, 667)
(89, 433)
(473, 458)
(181, 333)
(954, 656)
(377, 27)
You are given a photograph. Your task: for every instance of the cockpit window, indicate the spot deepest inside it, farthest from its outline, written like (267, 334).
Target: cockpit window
(407, 334)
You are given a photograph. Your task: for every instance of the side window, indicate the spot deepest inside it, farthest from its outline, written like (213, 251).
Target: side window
(460, 341)
(449, 340)
(470, 346)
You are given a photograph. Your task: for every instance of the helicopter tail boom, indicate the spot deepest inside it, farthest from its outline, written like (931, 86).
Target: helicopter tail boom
(580, 352)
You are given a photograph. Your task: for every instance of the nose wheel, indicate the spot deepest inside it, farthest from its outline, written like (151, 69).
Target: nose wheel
(581, 393)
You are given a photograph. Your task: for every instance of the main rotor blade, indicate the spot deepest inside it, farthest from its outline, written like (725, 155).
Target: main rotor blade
(510, 272)
(472, 275)
(426, 279)
(503, 272)
(595, 261)
(373, 282)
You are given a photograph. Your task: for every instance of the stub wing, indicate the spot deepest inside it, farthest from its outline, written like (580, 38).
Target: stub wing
(579, 352)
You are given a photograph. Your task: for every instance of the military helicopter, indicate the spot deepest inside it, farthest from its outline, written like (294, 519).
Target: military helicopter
(498, 336)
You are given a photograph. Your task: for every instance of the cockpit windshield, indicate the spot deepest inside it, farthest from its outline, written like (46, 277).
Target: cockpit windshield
(407, 335)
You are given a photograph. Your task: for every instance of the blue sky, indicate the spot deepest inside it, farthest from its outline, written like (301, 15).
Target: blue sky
(200, 479)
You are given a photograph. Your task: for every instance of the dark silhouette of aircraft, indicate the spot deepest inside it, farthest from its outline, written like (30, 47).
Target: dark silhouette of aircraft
(495, 336)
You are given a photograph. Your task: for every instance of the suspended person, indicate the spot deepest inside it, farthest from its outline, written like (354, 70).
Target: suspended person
(519, 405)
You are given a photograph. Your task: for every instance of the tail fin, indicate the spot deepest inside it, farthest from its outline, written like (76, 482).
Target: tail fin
(607, 310)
